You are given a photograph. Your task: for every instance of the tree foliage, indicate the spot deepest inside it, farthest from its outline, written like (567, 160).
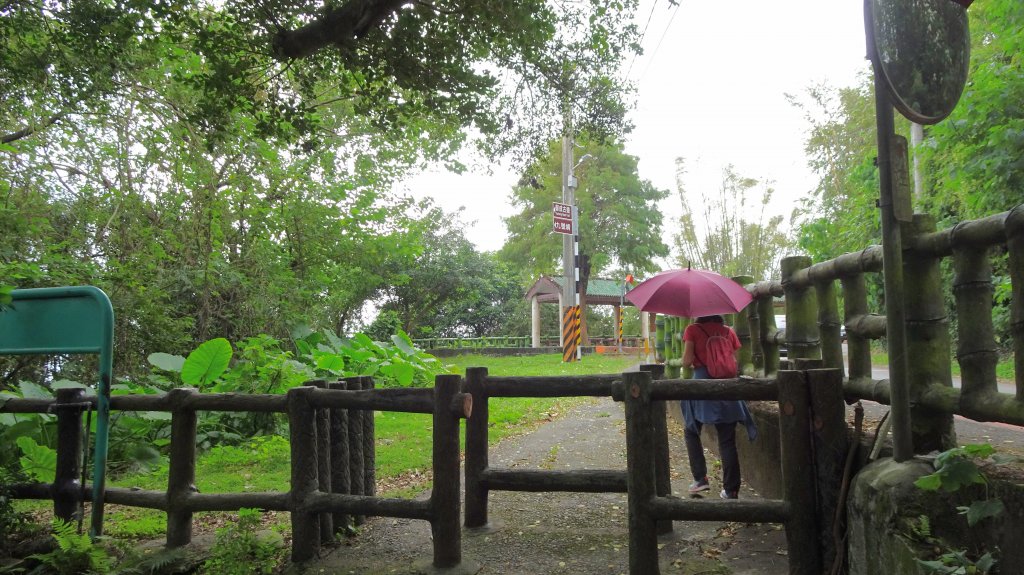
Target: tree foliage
(975, 158)
(410, 69)
(451, 289)
(731, 234)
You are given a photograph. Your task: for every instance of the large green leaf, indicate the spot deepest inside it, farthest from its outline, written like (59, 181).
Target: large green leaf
(982, 509)
(31, 390)
(400, 371)
(166, 361)
(206, 363)
(38, 462)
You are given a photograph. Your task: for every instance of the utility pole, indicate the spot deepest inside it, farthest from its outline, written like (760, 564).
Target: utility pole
(570, 296)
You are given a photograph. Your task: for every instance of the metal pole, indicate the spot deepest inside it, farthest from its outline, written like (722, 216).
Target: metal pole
(892, 266)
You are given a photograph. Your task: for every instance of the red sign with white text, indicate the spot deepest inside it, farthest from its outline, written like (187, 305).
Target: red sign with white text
(563, 218)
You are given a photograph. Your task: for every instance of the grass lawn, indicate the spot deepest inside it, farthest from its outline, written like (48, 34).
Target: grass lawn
(403, 446)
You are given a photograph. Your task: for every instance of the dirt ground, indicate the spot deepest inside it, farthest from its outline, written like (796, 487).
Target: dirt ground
(535, 533)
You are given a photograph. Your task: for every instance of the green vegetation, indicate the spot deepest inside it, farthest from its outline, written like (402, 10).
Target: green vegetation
(240, 550)
(955, 470)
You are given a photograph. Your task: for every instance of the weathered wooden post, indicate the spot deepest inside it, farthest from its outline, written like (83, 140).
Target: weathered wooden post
(67, 490)
(305, 478)
(1015, 245)
(640, 474)
(802, 336)
(339, 459)
(181, 474)
(323, 462)
(828, 324)
(756, 345)
(662, 453)
(369, 444)
(356, 472)
(766, 311)
(476, 449)
(659, 338)
(928, 343)
(444, 498)
(742, 327)
(831, 442)
(794, 425)
(976, 346)
(855, 305)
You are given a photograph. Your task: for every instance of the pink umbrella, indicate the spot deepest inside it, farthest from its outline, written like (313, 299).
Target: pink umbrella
(689, 293)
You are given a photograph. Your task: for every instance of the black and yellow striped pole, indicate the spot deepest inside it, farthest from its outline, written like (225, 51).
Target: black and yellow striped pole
(569, 342)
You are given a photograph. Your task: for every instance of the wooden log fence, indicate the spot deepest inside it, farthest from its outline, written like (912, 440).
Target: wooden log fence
(933, 400)
(481, 478)
(797, 511)
(322, 417)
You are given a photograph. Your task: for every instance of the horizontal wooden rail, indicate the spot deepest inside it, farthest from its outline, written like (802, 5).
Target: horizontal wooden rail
(407, 400)
(739, 388)
(978, 233)
(581, 481)
(541, 386)
(865, 261)
(676, 509)
(369, 506)
(1001, 407)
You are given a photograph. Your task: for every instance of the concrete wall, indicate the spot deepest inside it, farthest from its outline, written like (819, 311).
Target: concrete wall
(885, 527)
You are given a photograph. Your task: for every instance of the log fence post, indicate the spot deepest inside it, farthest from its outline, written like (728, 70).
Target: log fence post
(1015, 246)
(323, 462)
(356, 475)
(830, 444)
(302, 430)
(662, 453)
(976, 345)
(802, 335)
(67, 489)
(756, 345)
(640, 474)
(928, 342)
(858, 347)
(181, 474)
(444, 498)
(369, 444)
(794, 426)
(476, 449)
(339, 459)
(742, 327)
(769, 349)
(828, 324)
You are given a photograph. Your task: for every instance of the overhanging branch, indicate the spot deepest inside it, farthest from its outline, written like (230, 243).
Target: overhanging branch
(28, 131)
(339, 26)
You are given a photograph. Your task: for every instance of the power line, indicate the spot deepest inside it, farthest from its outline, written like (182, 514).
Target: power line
(660, 40)
(642, 36)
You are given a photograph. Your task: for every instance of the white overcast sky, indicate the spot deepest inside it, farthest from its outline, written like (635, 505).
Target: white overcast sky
(711, 87)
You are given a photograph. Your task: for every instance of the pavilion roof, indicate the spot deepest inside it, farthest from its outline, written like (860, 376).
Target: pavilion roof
(600, 291)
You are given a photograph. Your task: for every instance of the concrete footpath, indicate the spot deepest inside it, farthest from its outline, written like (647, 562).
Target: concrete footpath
(535, 533)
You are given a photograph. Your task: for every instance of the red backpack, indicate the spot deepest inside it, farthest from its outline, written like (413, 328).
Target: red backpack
(718, 356)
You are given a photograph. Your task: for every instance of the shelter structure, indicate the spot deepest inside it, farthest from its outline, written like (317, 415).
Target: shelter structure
(599, 292)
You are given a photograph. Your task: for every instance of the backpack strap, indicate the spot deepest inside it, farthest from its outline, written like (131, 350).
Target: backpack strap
(695, 346)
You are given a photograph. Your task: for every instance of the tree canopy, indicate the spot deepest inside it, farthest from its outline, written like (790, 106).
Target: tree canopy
(429, 70)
